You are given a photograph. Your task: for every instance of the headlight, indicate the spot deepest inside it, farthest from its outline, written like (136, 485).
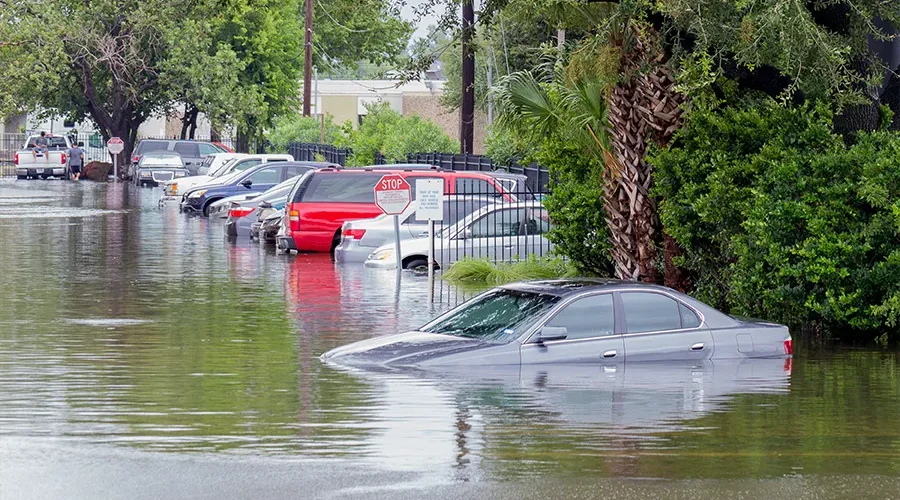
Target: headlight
(146, 174)
(382, 255)
(197, 194)
(179, 174)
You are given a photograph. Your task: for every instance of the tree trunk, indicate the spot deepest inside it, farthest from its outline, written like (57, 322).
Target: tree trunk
(643, 108)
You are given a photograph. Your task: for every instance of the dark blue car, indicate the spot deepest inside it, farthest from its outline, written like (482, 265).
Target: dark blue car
(253, 180)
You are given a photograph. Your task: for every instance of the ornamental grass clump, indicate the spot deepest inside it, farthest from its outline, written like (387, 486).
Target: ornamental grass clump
(485, 272)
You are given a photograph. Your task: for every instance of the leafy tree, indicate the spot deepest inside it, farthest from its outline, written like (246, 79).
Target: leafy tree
(99, 59)
(298, 128)
(387, 132)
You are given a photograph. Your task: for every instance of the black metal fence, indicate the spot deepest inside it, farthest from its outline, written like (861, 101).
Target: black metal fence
(307, 151)
(538, 177)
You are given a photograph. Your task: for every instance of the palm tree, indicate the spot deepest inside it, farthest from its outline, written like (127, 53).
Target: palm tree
(612, 117)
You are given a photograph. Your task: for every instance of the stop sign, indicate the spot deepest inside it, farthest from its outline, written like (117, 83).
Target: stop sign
(115, 145)
(392, 194)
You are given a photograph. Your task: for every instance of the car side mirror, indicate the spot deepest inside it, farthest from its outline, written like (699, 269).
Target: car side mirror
(247, 183)
(264, 204)
(550, 333)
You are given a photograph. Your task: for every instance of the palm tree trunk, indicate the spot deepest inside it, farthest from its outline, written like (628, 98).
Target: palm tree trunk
(645, 107)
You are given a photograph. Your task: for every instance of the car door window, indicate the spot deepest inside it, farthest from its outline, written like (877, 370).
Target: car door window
(689, 319)
(245, 164)
(269, 175)
(506, 222)
(650, 312)
(188, 149)
(295, 170)
(587, 317)
(537, 221)
(208, 149)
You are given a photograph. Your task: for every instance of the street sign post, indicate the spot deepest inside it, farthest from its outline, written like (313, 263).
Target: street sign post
(392, 196)
(429, 195)
(115, 146)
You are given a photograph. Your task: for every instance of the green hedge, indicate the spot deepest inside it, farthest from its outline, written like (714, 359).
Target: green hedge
(781, 219)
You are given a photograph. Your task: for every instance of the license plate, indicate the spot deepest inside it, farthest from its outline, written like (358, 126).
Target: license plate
(39, 170)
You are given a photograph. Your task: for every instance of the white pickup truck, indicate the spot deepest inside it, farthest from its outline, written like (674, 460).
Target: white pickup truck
(38, 164)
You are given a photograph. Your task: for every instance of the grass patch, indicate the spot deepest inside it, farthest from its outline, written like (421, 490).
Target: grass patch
(483, 271)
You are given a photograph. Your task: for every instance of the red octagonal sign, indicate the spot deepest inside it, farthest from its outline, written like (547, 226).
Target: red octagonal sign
(392, 194)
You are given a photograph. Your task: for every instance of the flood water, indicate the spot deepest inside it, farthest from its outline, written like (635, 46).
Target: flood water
(142, 356)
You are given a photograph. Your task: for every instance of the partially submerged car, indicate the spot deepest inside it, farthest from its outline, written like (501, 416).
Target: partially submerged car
(244, 213)
(155, 168)
(501, 232)
(573, 321)
(359, 238)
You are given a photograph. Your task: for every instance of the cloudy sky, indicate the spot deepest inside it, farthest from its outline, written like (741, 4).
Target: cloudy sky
(421, 24)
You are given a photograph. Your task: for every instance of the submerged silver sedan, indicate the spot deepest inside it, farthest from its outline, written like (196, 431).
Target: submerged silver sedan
(573, 321)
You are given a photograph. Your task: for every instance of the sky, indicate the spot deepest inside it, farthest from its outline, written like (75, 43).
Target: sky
(421, 24)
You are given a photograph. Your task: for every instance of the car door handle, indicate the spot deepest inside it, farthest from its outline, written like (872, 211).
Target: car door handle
(423, 234)
(610, 354)
(698, 346)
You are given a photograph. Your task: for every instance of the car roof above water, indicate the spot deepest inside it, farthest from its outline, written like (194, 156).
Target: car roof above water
(572, 286)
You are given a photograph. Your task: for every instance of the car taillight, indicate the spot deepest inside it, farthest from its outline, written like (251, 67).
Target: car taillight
(353, 234)
(17, 159)
(63, 156)
(789, 346)
(294, 219)
(237, 213)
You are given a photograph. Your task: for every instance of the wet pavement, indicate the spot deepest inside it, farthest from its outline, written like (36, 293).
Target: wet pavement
(143, 356)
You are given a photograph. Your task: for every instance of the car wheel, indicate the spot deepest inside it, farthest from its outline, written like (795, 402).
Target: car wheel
(207, 207)
(416, 264)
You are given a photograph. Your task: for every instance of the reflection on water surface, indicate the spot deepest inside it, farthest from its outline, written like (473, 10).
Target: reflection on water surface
(129, 327)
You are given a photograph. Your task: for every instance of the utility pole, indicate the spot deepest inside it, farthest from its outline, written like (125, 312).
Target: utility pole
(467, 111)
(307, 60)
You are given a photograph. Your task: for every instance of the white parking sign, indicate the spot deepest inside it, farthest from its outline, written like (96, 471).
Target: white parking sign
(429, 193)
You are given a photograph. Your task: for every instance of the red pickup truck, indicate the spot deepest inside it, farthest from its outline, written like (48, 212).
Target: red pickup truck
(321, 202)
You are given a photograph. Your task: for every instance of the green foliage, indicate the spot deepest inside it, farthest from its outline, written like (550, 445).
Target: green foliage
(395, 136)
(484, 272)
(816, 44)
(502, 146)
(298, 128)
(349, 31)
(780, 219)
(565, 121)
(575, 206)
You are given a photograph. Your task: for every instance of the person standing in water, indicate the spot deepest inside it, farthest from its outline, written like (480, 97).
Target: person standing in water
(76, 161)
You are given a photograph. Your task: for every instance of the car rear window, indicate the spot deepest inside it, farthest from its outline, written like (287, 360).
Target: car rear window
(146, 146)
(346, 188)
(188, 149)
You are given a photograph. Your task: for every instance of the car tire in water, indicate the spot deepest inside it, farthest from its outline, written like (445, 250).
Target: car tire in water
(417, 265)
(208, 206)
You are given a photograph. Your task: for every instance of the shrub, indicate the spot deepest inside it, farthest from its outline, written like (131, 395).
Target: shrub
(575, 206)
(780, 219)
(484, 272)
(297, 128)
(384, 130)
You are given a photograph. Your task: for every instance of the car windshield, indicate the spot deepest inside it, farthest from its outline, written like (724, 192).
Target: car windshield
(223, 168)
(279, 191)
(498, 316)
(230, 177)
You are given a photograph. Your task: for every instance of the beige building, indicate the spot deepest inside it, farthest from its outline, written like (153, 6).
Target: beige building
(346, 100)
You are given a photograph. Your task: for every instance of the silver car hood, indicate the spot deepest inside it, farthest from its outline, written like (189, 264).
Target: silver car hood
(403, 349)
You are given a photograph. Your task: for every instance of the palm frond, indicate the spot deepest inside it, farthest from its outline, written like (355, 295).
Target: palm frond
(525, 105)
